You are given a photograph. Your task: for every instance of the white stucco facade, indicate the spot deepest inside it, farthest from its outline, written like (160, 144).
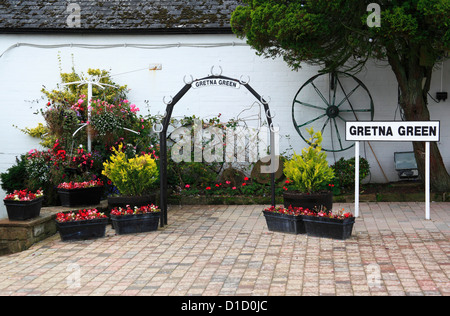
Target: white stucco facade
(24, 70)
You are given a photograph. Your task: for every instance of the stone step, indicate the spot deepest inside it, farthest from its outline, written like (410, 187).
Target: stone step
(16, 236)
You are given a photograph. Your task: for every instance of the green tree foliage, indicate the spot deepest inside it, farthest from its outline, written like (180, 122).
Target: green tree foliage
(413, 37)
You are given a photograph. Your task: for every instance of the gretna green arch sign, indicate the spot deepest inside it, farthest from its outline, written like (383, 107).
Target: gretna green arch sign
(396, 131)
(210, 82)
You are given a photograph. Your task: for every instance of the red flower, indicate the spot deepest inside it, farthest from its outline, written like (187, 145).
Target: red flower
(246, 179)
(208, 188)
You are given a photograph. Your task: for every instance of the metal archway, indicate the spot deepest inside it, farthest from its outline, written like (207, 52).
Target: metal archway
(217, 78)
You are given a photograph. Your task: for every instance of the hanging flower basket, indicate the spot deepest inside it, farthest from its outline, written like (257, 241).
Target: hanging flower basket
(85, 224)
(284, 220)
(131, 220)
(80, 193)
(22, 205)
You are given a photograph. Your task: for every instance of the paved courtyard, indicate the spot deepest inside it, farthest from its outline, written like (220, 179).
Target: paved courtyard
(228, 251)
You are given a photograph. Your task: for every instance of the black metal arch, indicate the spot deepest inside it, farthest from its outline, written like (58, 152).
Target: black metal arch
(163, 139)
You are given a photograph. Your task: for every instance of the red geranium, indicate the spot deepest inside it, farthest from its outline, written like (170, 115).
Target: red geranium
(80, 185)
(24, 195)
(119, 211)
(296, 211)
(81, 215)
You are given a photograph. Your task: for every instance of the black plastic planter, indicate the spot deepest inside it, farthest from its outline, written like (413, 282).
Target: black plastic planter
(23, 210)
(136, 223)
(82, 230)
(79, 197)
(284, 223)
(132, 201)
(310, 201)
(329, 227)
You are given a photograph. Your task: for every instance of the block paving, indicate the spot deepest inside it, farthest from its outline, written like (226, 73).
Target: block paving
(228, 251)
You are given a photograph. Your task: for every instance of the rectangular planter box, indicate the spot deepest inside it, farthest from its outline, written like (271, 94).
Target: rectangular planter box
(23, 210)
(79, 197)
(329, 227)
(284, 223)
(309, 201)
(137, 223)
(81, 230)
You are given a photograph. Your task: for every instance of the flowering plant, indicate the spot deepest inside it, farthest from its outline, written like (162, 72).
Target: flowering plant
(136, 210)
(106, 118)
(80, 185)
(297, 211)
(24, 195)
(81, 215)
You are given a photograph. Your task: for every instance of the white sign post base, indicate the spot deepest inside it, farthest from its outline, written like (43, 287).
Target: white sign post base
(427, 132)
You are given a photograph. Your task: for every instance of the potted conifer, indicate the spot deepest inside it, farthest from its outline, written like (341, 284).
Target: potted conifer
(135, 179)
(309, 174)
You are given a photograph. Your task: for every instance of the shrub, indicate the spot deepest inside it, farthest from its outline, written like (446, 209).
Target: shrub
(15, 177)
(309, 172)
(133, 177)
(345, 171)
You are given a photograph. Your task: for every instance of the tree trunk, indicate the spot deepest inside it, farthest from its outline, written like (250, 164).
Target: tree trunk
(414, 83)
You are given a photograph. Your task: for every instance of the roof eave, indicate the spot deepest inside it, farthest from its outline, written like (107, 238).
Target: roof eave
(112, 31)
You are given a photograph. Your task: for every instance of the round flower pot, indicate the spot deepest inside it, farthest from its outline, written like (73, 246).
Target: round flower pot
(291, 224)
(329, 227)
(135, 223)
(82, 230)
(308, 200)
(23, 210)
(79, 197)
(123, 201)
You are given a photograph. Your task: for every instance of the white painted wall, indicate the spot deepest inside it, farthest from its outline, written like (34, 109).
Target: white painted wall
(24, 70)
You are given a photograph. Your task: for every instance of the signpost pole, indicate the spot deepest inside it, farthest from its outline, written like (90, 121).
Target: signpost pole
(427, 180)
(356, 179)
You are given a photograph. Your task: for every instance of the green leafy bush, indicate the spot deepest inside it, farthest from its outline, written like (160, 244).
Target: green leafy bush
(15, 177)
(344, 169)
(309, 172)
(133, 177)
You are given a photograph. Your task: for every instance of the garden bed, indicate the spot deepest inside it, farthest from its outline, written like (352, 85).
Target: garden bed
(403, 191)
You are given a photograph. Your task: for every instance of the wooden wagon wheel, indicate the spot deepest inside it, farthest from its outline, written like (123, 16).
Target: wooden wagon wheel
(325, 102)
